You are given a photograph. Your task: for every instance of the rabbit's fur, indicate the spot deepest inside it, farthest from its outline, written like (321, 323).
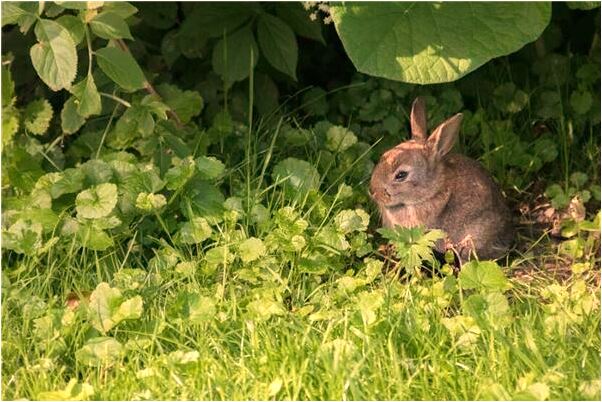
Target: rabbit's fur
(442, 191)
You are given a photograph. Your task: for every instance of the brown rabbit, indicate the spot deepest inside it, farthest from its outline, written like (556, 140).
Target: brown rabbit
(420, 183)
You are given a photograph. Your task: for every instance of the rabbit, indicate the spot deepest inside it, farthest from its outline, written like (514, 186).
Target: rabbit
(419, 182)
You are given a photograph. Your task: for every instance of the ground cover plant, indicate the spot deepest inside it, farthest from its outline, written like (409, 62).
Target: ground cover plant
(185, 209)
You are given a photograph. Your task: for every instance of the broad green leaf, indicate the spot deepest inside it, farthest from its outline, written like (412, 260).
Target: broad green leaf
(368, 304)
(97, 171)
(278, 44)
(37, 116)
(298, 175)
(349, 220)
(177, 176)
(88, 98)
(74, 25)
(217, 19)
(509, 99)
(235, 56)
(80, 5)
(150, 202)
(74, 391)
(23, 237)
(97, 201)
(71, 120)
(121, 67)
(109, 25)
(263, 309)
(251, 249)
(54, 57)
(121, 8)
(583, 5)
(427, 43)
(204, 200)
(209, 167)
(483, 276)
(108, 307)
(297, 18)
(100, 351)
(22, 13)
(69, 181)
(195, 231)
(193, 308)
(581, 101)
(339, 139)
(578, 179)
(186, 104)
(94, 238)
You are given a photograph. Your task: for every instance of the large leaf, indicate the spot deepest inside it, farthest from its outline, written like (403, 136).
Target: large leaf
(54, 57)
(97, 201)
(88, 98)
(235, 56)
(109, 25)
(426, 43)
(216, 19)
(108, 307)
(121, 67)
(278, 44)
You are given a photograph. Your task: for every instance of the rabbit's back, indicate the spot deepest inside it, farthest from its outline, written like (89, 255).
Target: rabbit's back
(476, 208)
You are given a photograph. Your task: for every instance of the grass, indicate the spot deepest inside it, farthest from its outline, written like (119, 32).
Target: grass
(385, 338)
(315, 322)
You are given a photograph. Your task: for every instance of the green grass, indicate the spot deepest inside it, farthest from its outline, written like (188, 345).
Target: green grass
(380, 337)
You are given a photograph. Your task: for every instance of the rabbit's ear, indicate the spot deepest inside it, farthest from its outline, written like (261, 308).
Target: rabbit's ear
(443, 138)
(418, 120)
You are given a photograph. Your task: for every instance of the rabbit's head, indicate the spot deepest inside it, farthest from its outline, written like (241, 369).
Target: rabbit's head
(413, 172)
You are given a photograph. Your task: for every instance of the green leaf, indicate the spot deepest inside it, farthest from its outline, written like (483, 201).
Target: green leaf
(150, 202)
(483, 276)
(232, 58)
(216, 19)
(100, 351)
(23, 13)
(349, 220)
(71, 121)
(583, 5)
(278, 44)
(297, 18)
(581, 101)
(108, 307)
(509, 99)
(251, 249)
(97, 201)
(265, 308)
(109, 25)
(37, 116)
(74, 25)
(204, 200)
(194, 308)
(578, 179)
(54, 57)
(339, 139)
(209, 167)
(121, 67)
(427, 43)
(70, 181)
(186, 104)
(121, 8)
(73, 392)
(88, 98)
(177, 176)
(299, 176)
(195, 231)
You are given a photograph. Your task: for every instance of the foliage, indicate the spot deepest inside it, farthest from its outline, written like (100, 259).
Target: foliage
(428, 43)
(185, 212)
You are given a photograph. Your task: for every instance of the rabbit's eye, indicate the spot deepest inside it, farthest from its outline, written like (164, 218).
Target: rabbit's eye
(401, 176)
